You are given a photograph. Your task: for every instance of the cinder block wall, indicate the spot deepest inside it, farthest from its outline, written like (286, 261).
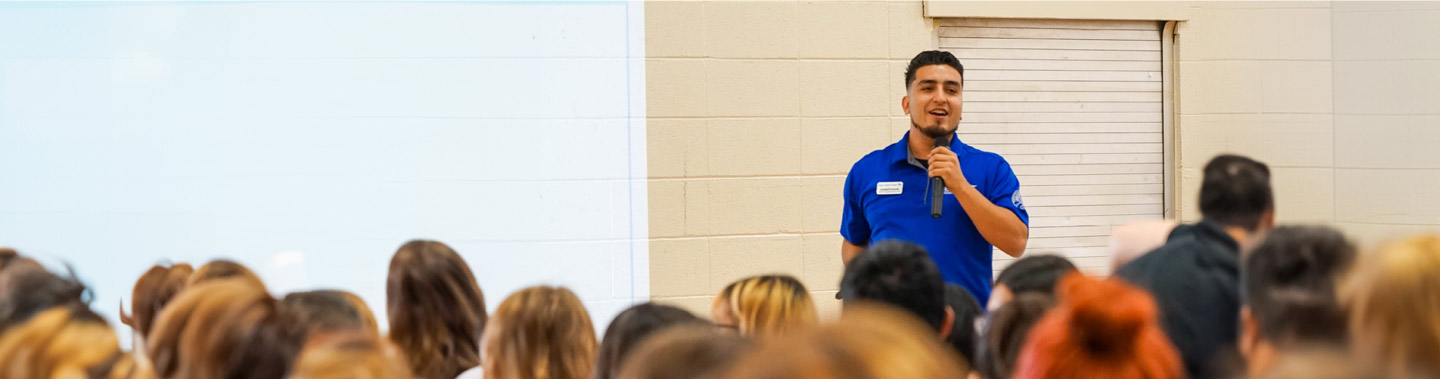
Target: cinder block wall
(757, 110)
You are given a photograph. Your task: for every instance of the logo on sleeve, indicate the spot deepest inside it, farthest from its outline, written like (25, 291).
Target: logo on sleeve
(1015, 199)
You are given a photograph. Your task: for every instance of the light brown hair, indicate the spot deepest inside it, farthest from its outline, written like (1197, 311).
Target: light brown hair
(870, 341)
(225, 328)
(224, 269)
(768, 305)
(436, 309)
(155, 288)
(1393, 298)
(540, 333)
(63, 342)
(693, 351)
(352, 355)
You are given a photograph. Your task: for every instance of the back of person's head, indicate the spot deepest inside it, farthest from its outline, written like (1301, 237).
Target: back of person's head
(1393, 297)
(435, 308)
(155, 288)
(900, 274)
(1327, 362)
(630, 328)
(1032, 273)
(367, 317)
(27, 288)
(7, 255)
(540, 333)
(1235, 191)
(767, 305)
(1101, 329)
(872, 341)
(1006, 331)
(224, 328)
(224, 269)
(350, 355)
(694, 351)
(324, 312)
(1290, 283)
(67, 341)
(963, 334)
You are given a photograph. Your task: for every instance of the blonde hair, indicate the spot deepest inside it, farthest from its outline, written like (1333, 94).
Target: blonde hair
(225, 328)
(352, 355)
(870, 341)
(1393, 298)
(63, 342)
(539, 333)
(768, 305)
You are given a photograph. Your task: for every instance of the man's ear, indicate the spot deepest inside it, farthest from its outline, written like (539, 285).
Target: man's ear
(1249, 333)
(905, 104)
(949, 325)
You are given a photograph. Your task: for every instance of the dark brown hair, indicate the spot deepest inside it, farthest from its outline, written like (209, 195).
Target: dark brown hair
(152, 291)
(224, 329)
(436, 309)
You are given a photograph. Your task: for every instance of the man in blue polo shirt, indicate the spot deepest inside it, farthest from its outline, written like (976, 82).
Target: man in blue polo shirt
(886, 191)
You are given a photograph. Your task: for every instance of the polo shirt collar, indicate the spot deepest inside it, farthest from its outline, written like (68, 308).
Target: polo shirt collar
(900, 151)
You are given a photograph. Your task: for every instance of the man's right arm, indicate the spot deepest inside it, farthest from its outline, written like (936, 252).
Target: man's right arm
(848, 251)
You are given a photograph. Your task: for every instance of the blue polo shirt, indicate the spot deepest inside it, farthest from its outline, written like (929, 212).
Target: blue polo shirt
(886, 198)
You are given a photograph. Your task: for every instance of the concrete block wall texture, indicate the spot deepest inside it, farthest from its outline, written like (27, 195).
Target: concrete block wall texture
(756, 112)
(757, 109)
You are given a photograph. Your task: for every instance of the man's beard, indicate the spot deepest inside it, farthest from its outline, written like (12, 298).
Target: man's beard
(934, 131)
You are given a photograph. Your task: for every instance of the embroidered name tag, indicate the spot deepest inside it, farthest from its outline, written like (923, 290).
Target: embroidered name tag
(889, 188)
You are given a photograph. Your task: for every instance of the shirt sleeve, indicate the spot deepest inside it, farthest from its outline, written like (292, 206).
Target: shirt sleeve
(1006, 191)
(853, 225)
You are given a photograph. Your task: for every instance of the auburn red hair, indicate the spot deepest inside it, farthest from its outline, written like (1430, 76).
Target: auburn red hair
(1100, 329)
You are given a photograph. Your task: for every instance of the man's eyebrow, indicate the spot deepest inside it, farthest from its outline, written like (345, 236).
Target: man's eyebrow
(927, 81)
(952, 83)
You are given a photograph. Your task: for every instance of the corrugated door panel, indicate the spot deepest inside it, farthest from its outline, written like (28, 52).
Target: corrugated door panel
(1075, 107)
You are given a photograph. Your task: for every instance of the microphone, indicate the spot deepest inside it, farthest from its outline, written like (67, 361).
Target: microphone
(937, 185)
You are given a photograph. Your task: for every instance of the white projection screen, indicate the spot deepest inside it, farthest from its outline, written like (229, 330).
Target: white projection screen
(309, 140)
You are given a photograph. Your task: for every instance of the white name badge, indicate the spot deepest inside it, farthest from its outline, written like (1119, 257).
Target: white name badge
(889, 188)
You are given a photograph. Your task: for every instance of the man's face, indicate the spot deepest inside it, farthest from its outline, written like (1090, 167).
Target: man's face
(933, 100)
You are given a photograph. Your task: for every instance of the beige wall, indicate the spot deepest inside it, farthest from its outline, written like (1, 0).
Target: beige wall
(756, 111)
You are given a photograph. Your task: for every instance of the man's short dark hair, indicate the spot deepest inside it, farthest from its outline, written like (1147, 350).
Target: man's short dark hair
(1289, 284)
(962, 332)
(1236, 191)
(929, 58)
(1035, 273)
(899, 274)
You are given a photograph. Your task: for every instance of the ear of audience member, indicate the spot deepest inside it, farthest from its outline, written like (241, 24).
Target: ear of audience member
(1032, 273)
(224, 269)
(1101, 329)
(1289, 291)
(67, 341)
(224, 328)
(350, 355)
(685, 351)
(632, 327)
(1195, 276)
(765, 306)
(436, 310)
(900, 274)
(871, 341)
(538, 333)
(26, 289)
(1006, 331)
(963, 334)
(1393, 297)
(326, 311)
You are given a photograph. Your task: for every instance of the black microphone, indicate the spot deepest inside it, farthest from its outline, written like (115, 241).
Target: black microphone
(937, 185)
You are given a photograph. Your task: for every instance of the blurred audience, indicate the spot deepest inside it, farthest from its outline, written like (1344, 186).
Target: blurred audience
(323, 312)
(155, 288)
(685, 351)
(631, 328)
(1393, 297)
(224, 329)
(350, 355)
(871, 341)
(1005, 331)
(436, 310)
(963, 334)
(1031, 273)
(67, 341)
(1132, 240)
(899, 274)
(1289, 291)
(764, 306)
(224, 269)
(1195, 276)
(1102, 329)
(538, 333)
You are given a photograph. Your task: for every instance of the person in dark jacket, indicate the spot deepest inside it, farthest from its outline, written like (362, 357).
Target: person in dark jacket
(1195, 276)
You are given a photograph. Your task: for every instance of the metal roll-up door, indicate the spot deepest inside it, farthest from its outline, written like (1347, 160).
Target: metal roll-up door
(1075, 106)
